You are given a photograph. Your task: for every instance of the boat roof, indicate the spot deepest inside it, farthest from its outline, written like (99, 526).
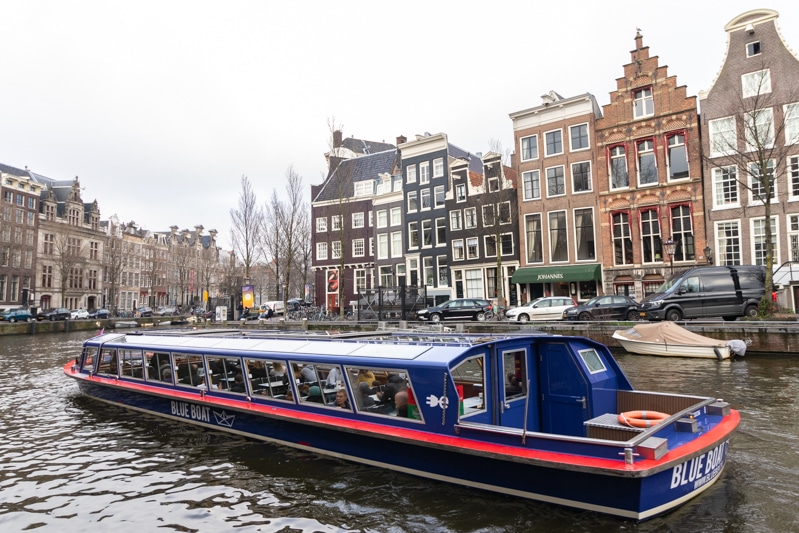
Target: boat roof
(427, 347)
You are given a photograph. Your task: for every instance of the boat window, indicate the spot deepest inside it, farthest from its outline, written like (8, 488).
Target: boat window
(157, 365)
(108, 362)
(130, 364)
(226, 373)
(88, 358)
(515, 372)
(305, 374)
(269, 379)
(592, 361)
(190, 370)
(383, 391)
(470, 382)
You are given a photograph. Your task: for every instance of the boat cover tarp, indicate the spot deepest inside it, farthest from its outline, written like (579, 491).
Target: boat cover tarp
(667, 333)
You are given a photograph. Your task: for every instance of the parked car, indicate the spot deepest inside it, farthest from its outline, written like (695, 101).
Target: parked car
(76, 314)
(16, 315)
(168, 310)
(54, 313)
(457, 309)
(145, 311)
(708, 291)
(546, 308)
(612, 307)
(100, 313)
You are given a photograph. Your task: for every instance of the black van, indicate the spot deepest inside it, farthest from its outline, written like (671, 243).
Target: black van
(725, 291)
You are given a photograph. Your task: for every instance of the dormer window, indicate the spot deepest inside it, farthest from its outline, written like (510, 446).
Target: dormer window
(644, 105)
(753, 49)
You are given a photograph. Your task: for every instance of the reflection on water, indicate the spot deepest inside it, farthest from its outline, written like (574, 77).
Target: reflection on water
(68, 463)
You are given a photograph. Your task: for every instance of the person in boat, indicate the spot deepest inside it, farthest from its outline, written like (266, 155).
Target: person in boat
(365, 376)
(341, 399)
(238, 384)
(395, 384)
(166, 375)
(278, 370)
(315, 395)
(257, 369)
(514, 385)
(333, 377)
(401, 403)
(307, 374)
(363, 395)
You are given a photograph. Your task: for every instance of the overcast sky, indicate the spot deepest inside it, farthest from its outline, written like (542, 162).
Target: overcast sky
(160, 107)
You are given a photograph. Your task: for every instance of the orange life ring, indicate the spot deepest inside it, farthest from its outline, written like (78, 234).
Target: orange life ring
(642, 419)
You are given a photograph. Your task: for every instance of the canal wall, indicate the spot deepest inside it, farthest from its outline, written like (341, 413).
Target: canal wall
(763, 336)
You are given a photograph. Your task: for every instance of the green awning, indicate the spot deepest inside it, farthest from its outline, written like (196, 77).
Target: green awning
(557, 273)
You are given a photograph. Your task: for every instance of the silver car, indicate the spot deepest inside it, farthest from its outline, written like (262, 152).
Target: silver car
(546, 308)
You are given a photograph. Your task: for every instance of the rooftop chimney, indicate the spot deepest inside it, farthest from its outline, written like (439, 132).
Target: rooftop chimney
(401, 139)
(337, 138)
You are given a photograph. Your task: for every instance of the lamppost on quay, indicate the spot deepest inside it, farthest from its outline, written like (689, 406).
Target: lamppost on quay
(669, 246)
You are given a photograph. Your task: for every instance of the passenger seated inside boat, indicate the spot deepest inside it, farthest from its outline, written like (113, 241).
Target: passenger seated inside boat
(363, 395)
(166, 375)
(401, 403)
(238, 384)
(395, 384)
(315, 395)
(341, 399)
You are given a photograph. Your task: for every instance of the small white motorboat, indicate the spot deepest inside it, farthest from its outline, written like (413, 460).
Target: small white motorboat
(669, 339)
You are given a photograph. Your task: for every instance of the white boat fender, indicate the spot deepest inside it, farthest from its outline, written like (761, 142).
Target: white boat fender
(738, 347)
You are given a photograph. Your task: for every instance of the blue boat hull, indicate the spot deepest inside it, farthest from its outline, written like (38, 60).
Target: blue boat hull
(590, 484)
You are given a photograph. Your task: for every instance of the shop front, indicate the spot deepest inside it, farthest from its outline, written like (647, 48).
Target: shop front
(577, 281)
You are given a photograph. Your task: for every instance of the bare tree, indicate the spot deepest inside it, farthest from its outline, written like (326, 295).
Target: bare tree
(70, 251)
(248, 223)
(755, 144)
(273, 238)
(290, 223)
(499, 207)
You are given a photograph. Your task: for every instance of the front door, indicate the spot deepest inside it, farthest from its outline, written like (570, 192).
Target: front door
(564, 391)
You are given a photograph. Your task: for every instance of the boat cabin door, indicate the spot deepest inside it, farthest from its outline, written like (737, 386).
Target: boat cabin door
(512, 395)
(564, 391)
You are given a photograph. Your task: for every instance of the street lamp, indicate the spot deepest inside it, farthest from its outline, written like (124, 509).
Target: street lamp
(669, 246)
(708, 256)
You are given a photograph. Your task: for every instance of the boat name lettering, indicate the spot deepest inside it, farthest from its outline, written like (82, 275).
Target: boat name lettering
(557, 275)
(701, 469)
(189, 410)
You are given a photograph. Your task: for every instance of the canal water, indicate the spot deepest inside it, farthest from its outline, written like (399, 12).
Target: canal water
(68, 463)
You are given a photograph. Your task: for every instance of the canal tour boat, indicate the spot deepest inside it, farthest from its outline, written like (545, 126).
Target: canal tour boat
(549, 418)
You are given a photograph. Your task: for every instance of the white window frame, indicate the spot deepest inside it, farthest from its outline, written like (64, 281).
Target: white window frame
(547, 153)
(757, 231)
(455, 220)
(382, 245)
(425, 198)
(335, 222)
(726, 193)
(363, 188)
(611, 160)
(382, 218)
(534, 147)
(456, 245)
(753, 49)
(424, 172)
(321, 251)
(396, 244)
(723, 136)
(357, 220)
(472, 243)
(756, 83)
(427, 228)
(410, 173)
(673, 142)
(752, 171)
(764, 122)
(396, 216)
(358, 248)
(535, 179)
(439, 197)
(734, 255)
(440, 225)
(590, 178)
(413, 229)
(335, 250)
(413, 197)
(563, 176)
(460, 192)
(791, 114)
(643, 103)
(648, 152)
(587, 138)
(489, 215)
(466, 219)
(321, 224)
(792, 171)
(438, 167)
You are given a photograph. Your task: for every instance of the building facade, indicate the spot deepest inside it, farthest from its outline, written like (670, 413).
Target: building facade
(750, 124)
(649, 179)
(557, 200)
